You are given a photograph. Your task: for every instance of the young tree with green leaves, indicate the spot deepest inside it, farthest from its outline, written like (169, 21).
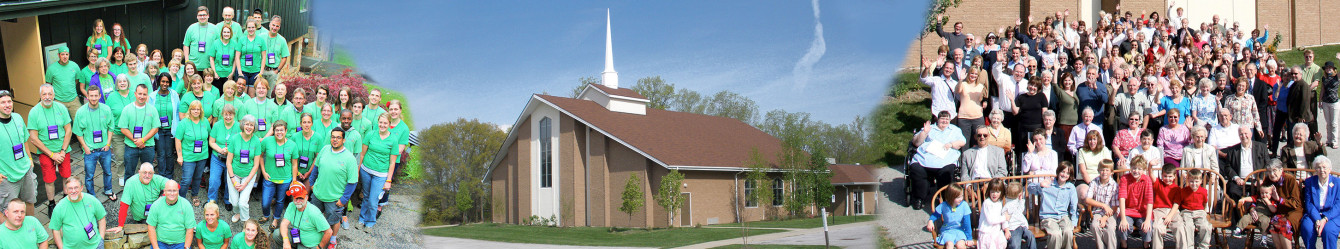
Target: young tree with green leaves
(464, 200)
(796, 163)
(668, 196)
(818, 181)
(632, 197)
(659, 93)
(452, 155)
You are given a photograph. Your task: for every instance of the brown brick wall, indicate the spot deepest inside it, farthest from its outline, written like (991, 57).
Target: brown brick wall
(600, 180)
(572, 198)
(979, 17)
(1043, 9)
(1276, 14)
(1330, 32)
(1145, 7)
(1308, 19)
(623, 163)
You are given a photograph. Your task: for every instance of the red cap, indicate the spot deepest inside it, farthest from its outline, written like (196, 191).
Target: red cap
(297, 189)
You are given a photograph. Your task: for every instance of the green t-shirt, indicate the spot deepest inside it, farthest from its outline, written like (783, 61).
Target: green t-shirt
(253, 53)
(240, 241)
(401, 132)
(221, 102)
(171, 221)
(378, 157)
(94, 126)
(119, 69)
(118, 102)
(335, 170)
(317, 126)
(103, 44)
(63, 79)
(15, 165)
(223, 134)
(244, 153)
(50, 124)
(165, 107)
(292, 116)
(206, 103)
(137, 194)
(309, 221)
(280, 159)
(194, 136)
(263, 111)
(85, 74)
(144, 119)
(106, 82)
(307, 147)
(213, 239)
(237, 28)
(71, 218)
(370, 114)
(222, 55)
(276, 48)
(27, 237)
(354, 140)
(197, 40)
(140, 79)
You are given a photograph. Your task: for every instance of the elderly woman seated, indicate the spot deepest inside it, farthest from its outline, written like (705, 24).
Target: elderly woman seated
(935, 162)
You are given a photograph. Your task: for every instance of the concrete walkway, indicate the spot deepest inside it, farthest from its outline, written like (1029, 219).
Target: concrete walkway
(855, 235)
(434, 242)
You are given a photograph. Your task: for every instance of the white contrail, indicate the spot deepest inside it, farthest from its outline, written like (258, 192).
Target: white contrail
(805, 66)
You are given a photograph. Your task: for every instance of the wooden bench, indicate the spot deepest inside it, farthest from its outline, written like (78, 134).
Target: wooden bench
(974, 192)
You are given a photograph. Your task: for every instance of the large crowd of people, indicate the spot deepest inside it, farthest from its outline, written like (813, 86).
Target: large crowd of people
(212, 116)
(1184, 112)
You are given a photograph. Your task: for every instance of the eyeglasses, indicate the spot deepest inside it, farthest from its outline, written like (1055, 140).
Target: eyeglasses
(982, 136)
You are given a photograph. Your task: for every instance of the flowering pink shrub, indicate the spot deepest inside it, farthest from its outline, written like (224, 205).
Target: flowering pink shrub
(346, 78)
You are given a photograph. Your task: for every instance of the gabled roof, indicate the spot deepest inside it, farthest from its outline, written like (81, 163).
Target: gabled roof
(622, 92)
(847, 174)
(675, 140)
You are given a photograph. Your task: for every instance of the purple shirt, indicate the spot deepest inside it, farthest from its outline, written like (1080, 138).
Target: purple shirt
(1172, 141)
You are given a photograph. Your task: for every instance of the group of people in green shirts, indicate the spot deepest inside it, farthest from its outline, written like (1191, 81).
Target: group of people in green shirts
(308, 150)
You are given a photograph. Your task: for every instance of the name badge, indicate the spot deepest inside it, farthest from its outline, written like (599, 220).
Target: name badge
(293, 233)
(97, 46)
(201, 47)
(279, 160)
(88, 229)
(138, 133)
(53, 132)
(246, 156)
(163, 122)
(226, 60)
(247, 60)
(271, 58)
(18, 152)
(199, 146)
(302, 162)
(261, 124)
(97, 136)
(146, 209)
(299, 129)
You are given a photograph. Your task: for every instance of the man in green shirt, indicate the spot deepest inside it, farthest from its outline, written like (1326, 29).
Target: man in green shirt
(22, 231)
(138, 196)
(64, 75)
(372, 109)
(49, 131)
(79, 220)
(276, 50)
(302, 226)
(93, 124)
(17, 179)
(197, 38)
(171, 221)
(139, 123)
(228, 21)
(336, 178)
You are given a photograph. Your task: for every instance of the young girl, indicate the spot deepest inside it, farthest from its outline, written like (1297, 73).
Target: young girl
(957, 217)
(251, 237)
(1016, 229)
(991, 229)
(210, 233)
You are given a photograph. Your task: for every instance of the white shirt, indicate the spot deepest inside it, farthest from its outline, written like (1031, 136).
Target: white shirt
(1078, 133)
(981, 171)
(942, 90)
(1006, 94)
(1245, 166)
(1153, 156)
(1222, 137)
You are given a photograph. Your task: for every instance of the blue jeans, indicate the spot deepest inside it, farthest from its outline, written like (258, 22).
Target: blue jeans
(191, 172)
(167, 154)
(216, 168)
(372, 191)
(91, 161)
(162, 245)
(250, 77)
(137, 156)
(273, 191)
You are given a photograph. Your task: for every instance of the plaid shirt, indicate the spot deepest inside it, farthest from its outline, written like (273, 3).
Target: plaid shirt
(1138, 193)
(1104, 192)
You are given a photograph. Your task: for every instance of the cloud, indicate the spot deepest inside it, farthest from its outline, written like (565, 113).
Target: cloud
(805, 66)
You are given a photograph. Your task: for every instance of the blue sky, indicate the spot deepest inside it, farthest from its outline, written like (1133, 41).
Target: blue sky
(484, 59)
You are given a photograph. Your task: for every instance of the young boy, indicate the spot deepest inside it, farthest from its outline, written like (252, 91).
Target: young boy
(1136, 196)
(1017, 226)
(1102, 198)
(1263, 207)
(1165, 209)
(1059, 207)
(1195, 230)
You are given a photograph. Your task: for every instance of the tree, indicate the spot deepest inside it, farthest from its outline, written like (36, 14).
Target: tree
(668, 195)
(758, 175)
(689, 101)
(933, 18)
(796, 163)
(795, 129)
(659, 94)
(584, 81)
(453, 154)
(819, 180)
(632, 197)
(464, 201)
(732, 105)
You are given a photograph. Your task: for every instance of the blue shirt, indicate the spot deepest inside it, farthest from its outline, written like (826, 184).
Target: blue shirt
(1205, 107)
(1183, 108)
(949, 134)
(1095, 98)
(1058, 201)
(1282, 96)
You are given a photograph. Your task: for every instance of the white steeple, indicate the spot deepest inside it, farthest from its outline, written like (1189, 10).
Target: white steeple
(609, 78)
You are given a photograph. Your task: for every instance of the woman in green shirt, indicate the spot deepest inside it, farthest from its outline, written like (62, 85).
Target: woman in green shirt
(99, 40)
(378, 163)
(223, 54)
(251, 237)
(309, 143)
(229, 97)
(102, 77)
(328, 119)
(210, 233)
(278, 173)
(119, 61)
(252, 51)
(261, 107)
(191, 135)
(245, 159)
(118, 37)
(197, 90)
(219, 136)
(117, 101)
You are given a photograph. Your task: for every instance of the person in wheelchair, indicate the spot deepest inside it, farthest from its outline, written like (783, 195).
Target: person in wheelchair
(935, 163)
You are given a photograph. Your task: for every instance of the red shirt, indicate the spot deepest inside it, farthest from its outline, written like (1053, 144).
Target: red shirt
(1192, 199)
(1163, 194)
(1138, 192)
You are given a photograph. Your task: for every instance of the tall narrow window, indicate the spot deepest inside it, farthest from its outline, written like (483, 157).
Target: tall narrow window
(749, 194)
(777, 192)
(546, 154)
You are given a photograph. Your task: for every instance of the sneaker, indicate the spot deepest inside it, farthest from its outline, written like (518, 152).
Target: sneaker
(236, 218)
(1239, 233)
(344, 225)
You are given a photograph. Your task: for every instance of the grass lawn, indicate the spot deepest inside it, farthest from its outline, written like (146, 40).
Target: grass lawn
(343, 57)
(1324, 54)
(804, 223)
(590, 236)
(773, 247)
